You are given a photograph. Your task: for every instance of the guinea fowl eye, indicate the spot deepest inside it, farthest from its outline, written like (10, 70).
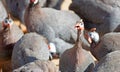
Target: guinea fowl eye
(81, 24)
(6, 21)
(10, 21)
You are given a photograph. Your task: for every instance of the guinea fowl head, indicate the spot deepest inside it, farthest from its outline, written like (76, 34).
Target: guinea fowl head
(93, 37)
(33, 2)
(79, 25)
(7, 23)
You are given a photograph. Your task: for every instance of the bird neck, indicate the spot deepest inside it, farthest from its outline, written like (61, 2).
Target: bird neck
(78, 41)
(6, 32)
(78, 35)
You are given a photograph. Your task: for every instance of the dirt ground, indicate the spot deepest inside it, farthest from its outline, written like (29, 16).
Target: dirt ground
(56, 62)
(65, 4)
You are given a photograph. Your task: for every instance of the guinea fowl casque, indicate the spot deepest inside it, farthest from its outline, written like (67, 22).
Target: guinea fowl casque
(76, 59)
(55, 25)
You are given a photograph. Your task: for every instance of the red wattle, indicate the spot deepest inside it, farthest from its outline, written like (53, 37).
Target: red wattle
(31, 1)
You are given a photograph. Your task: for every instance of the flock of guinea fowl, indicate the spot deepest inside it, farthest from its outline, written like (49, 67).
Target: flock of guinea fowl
(24, 47)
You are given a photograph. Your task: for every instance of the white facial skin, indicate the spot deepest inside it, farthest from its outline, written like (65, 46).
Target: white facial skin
(36, 1)
(94, 36)
(52, 48)
(8, 21)
(81, 24)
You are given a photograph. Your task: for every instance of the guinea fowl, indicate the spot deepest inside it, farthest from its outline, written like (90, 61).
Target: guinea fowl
(76, 59)
(9, 35)
(92, 37)
(53, 24)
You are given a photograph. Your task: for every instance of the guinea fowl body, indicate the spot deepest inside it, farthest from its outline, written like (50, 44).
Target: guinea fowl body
(76, 59)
